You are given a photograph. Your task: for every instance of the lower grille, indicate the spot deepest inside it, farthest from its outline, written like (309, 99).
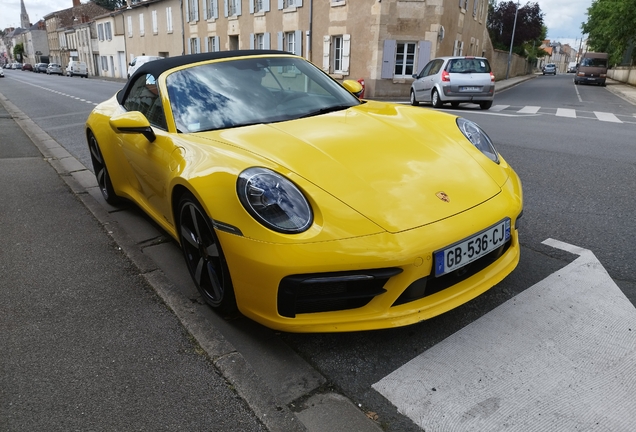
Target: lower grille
(327, 292)
(430, 285)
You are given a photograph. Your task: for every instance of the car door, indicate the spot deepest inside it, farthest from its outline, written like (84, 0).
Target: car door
(418, 84)
(431, 78)
(149, 161)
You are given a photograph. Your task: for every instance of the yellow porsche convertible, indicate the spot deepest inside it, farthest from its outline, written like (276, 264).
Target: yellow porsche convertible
(298, 204)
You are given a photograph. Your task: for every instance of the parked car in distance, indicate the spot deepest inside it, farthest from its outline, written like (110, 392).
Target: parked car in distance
(54, 69)
(549, 69)
(1, 73)
(572, 67)
(27, 67)
(78, 68)
(290, 224)
(454, 80)
(138, 61)
(40, 67)
(592, 69)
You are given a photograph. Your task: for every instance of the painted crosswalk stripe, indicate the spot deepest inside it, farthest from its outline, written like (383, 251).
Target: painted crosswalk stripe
(499, 107)
(566, 112)
(558, 357)
(608, 117)
(529, 110)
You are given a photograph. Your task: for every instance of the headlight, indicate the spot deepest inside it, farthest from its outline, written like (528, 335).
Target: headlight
(478, 137)
(274, 201)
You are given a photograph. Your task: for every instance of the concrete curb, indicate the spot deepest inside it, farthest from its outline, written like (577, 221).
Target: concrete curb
(230, 364)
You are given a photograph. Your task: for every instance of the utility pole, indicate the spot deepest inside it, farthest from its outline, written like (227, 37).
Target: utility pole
(512, 39)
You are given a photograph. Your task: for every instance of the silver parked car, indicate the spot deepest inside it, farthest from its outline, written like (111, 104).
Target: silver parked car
(549, 69)
(54, 68)
(454, 80)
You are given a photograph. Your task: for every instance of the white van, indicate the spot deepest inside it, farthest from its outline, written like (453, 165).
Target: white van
(138, 61)
(77, 68)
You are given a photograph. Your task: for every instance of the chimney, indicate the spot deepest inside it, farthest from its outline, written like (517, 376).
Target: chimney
(76, 3)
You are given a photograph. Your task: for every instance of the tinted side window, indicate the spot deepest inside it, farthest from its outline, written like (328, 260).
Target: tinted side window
(437, 65)
(144, 97)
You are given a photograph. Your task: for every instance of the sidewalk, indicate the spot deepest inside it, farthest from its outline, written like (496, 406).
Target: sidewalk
(63, 292)
(85, 343)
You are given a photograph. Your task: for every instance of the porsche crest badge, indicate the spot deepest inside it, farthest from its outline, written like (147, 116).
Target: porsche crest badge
(443, 196)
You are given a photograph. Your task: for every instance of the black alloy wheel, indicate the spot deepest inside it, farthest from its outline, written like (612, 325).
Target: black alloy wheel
(101, 172)
(204, 256)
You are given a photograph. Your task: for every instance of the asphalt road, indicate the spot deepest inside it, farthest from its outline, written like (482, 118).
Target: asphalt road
(573, 147)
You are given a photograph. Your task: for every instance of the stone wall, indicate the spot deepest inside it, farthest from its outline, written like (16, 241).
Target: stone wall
(626, 74)
(499, 64)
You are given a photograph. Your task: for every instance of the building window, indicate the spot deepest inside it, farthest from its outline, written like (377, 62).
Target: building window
(142, 31)
(130, 29)
(458, 48)
(212, 44)
(290, 42)
(155, 24)
(233, 7)
(108, 31)
(260, 41)
(404, 59)
(336, 51)
(192, 10)
(100, 31)
(169, 19)
(287, 4)
(211, 9)
(104, 61)
(194, 47)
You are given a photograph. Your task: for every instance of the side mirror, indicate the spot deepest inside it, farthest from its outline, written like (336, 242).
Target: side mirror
(354, 87)
(415, 76)
(133, 122)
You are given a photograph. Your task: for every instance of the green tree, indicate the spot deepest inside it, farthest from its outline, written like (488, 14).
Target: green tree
(529, 30)
(611, 27)
(18, 50)
(110, 4)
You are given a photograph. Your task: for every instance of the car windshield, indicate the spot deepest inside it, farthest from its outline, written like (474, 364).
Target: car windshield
(594, 62)
(468, 65)
(251, 91)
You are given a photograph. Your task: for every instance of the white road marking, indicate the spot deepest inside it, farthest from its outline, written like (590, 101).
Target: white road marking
(497, 108)
(560, 357)
(608, 117)
(566, 112)
(529, 110)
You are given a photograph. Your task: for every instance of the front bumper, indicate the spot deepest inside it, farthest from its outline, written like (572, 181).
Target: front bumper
(258, 268)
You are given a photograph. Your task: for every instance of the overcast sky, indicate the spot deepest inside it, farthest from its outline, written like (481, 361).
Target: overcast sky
(563, 18)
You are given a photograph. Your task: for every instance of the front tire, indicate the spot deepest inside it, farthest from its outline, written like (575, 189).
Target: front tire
(101, 172)
(414, 101)
(204, 257)
(435, 100)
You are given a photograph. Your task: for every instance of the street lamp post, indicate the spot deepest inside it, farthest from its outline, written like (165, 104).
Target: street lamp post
(512, 39)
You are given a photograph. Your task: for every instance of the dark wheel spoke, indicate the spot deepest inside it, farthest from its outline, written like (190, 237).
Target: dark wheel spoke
(204, 256)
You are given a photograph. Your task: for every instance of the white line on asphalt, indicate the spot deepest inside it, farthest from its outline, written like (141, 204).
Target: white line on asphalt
(529, 110)
(499, 107)
(566, 112)
(608, 117)
(558, 357)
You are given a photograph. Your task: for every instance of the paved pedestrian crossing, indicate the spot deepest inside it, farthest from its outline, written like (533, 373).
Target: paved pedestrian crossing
(531, 110)
(561, 112)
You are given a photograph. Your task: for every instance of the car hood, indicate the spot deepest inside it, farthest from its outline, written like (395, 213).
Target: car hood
(393, 164)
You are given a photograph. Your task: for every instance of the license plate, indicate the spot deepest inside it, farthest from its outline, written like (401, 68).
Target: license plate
(470, 89)
(472, 248)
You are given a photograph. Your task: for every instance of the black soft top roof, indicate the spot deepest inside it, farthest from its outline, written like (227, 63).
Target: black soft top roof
(157, 67)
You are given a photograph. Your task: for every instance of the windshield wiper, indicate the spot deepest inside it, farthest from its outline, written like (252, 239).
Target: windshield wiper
(326, 110)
